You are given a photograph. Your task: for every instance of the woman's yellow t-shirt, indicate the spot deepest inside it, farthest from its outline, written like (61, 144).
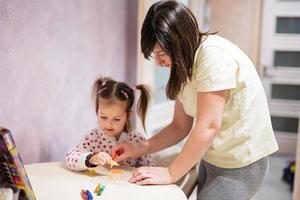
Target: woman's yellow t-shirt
(246, 133)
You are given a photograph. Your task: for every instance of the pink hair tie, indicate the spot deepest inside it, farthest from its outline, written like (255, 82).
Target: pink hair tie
(134, 89)
(125, 94)
(101, 90)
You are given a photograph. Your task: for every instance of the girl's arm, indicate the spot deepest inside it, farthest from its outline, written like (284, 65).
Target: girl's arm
(178, 129)
(210, 106)
(76, 157)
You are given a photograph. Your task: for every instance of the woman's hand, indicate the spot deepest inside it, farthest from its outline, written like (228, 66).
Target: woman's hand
(125, 151)
(100, 158)
(151, 175)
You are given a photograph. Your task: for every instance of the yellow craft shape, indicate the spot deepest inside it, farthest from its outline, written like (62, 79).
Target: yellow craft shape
(112, 163)
(116, 171)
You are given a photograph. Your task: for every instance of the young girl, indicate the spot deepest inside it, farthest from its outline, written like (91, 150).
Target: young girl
(113, 103)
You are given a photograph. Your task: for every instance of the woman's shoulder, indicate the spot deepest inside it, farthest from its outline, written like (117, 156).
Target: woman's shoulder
(214, 41)
(211, 46)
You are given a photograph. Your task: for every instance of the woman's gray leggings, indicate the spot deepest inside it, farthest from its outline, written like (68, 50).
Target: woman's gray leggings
(215, 183)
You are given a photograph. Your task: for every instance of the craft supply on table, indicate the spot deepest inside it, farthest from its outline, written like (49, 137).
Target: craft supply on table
(112, 163)
(91, 172)
(99, 189)
(89, 194)
(109, 171)
(86, 195)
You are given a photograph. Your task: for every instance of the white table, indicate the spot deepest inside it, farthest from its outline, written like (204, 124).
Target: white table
(53, 180)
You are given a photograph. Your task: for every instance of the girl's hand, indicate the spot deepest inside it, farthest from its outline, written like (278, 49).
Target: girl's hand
(151, 175)
(100, 158)
(125, 151)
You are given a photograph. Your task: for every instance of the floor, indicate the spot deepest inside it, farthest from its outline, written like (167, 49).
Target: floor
(273, 187)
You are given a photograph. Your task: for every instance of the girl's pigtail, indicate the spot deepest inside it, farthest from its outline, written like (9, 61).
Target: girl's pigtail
(143, 102)
(97, 86)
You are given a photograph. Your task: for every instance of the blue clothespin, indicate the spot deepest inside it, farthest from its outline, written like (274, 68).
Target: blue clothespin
(89, 194)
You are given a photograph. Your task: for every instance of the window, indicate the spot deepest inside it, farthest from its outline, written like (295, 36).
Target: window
(288, 25)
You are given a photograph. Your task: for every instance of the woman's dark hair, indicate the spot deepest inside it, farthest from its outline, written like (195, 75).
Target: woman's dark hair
(110, 90)
(174, 27)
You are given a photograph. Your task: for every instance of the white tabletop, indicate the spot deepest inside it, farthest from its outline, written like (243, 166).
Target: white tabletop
(53, 180)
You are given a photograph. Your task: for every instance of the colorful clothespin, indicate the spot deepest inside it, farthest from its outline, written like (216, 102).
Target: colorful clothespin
(89, 194)
(84, 195)
(97, 189)
(101, 190)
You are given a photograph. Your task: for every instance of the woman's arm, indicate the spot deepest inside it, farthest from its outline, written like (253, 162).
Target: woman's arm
(178, 129)
(210, 106)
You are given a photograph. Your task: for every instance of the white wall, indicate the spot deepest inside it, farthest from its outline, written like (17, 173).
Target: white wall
(239, 22)
(51, 51)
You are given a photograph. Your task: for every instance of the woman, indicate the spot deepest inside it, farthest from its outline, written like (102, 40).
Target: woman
(220, 105)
